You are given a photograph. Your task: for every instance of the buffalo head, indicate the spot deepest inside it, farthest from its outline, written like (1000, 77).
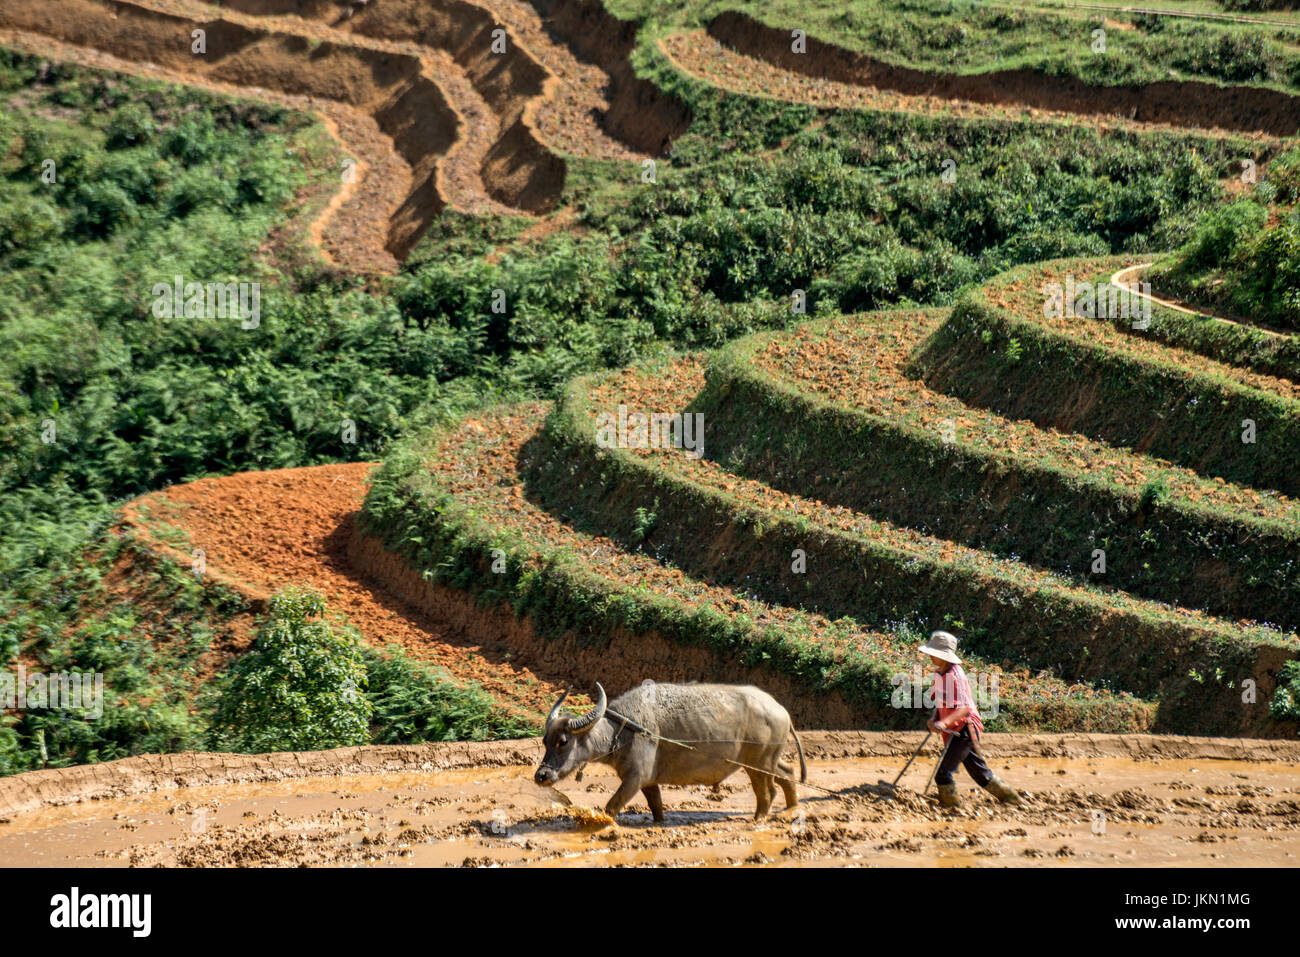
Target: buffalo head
(568, 745)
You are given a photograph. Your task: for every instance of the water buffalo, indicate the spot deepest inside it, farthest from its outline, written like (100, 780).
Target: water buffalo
(722, 723)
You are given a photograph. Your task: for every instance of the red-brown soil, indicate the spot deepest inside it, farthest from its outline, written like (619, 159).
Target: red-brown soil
(261, 531)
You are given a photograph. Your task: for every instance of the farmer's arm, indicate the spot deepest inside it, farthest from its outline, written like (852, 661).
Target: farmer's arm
(953, 720)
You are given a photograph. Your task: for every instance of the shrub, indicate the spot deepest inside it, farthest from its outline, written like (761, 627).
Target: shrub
(1223, 232)
(1285, 705)
(27, 223)
(131, 125)
(1273, 280)
(414, 703)
(1236, 56)
(101, 208)
(301, 687)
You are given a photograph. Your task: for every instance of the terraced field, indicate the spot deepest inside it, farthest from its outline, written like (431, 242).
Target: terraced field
(435, 117)
(1101, 503)
(819, 446)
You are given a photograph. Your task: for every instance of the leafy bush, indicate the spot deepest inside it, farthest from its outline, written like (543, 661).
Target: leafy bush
(1285, 705)
(1221, 235)
(147, 649)
(1245, 257)
(28, 222)
(1237, 57)
(414, 703)
(300, 688)
(132, 125)
(103, 208)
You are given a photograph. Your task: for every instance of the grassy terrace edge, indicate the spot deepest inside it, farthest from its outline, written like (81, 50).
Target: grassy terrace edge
(1229, 564)
(1233, 343)
(1189, 417)
(417, 519)
(717, 537)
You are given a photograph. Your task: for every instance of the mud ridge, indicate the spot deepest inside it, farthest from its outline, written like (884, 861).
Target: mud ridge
(519, 170)
(1185, 103)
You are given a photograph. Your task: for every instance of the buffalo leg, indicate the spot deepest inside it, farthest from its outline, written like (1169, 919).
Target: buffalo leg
(763, 792)
(620, 799)
(787, 785)
(655, 800)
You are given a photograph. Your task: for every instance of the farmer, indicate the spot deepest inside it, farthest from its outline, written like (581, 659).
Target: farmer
(958, 720)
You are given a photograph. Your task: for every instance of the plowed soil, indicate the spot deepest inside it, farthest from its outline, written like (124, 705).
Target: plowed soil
(1087, 801)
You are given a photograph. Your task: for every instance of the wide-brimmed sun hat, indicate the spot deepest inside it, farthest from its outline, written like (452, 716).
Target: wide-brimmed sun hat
(942, 644)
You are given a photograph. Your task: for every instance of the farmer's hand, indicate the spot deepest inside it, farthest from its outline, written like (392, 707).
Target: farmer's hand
(936, 727)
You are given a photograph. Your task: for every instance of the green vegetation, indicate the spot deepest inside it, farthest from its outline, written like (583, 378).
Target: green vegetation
(449, 535)
(1285, 705)
(100, 398)
(159, 636)
(875, 573)
(187, 184)
(413, 703)
(113, 185)
(830, 433)
(1186, 410)
(150, 644)
(1244, 258)
(970, 36)
(301, 687)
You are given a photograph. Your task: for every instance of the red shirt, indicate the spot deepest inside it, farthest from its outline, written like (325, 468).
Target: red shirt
(952, 691)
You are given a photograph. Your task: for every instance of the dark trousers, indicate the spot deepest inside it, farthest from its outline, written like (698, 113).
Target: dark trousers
(961, 751)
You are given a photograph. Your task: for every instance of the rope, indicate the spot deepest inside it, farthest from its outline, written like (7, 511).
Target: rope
(627, 724)
(630, 725)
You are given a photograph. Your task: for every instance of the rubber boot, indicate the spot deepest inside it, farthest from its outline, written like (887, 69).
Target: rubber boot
(948, 795)
(1003, 791)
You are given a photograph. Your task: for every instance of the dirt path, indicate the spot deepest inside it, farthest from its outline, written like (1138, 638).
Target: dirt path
(1086, 803)
(1125, 279)
(260, 531)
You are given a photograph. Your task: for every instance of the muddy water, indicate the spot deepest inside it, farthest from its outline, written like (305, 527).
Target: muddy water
(1077, 812)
